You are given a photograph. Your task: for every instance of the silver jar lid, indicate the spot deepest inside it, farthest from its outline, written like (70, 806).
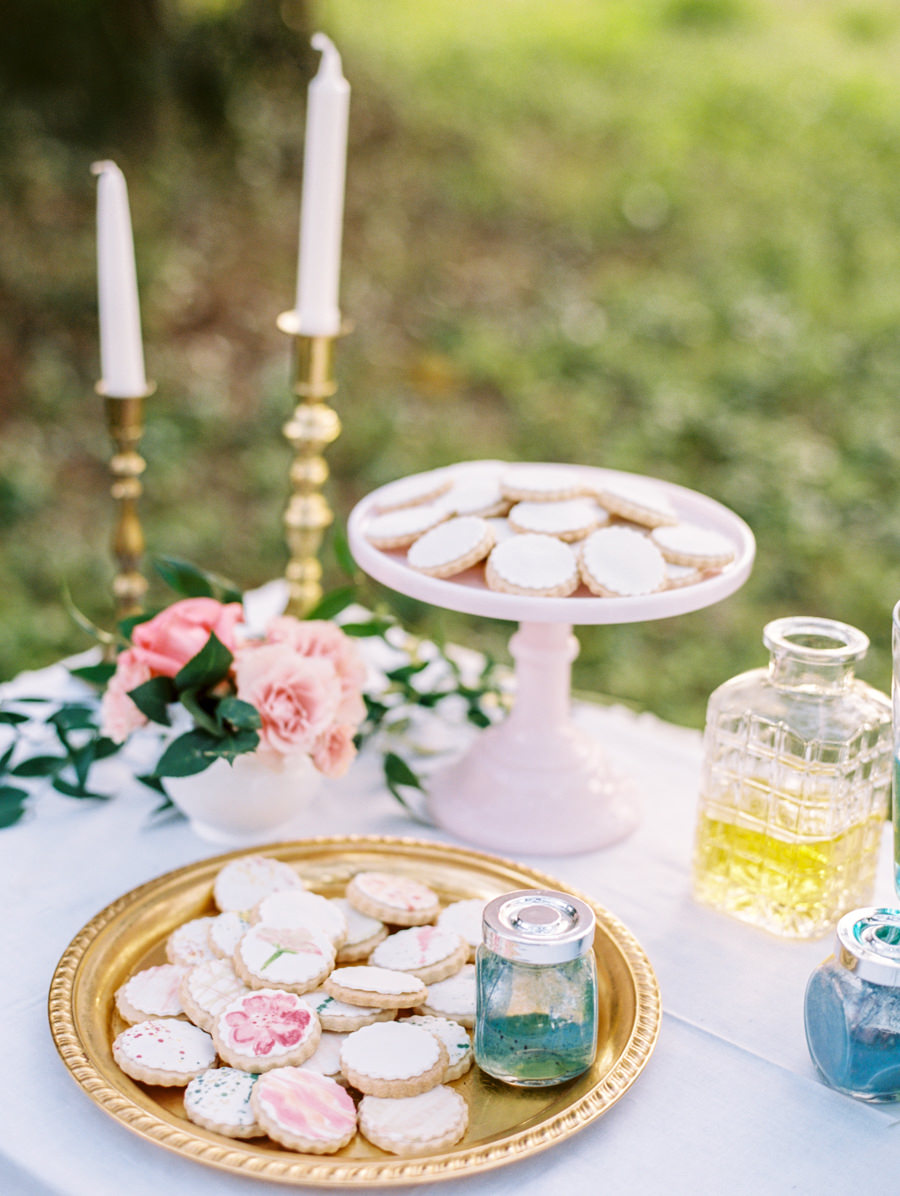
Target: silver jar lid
(538, 926)
(868, 944)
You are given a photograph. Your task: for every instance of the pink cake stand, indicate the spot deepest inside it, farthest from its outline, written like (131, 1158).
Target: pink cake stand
(536, 782)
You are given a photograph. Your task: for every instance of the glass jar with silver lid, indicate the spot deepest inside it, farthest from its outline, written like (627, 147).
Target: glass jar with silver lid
(536, 1002)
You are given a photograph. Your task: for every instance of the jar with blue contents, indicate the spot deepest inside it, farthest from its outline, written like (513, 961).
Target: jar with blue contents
(852, 1007)
(536, 988)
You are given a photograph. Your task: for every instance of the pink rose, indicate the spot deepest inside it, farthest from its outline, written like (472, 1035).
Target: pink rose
(167, 642)
(118, 714)
(267, 1020)
(315, 637)
(297, 696)
(334, 750)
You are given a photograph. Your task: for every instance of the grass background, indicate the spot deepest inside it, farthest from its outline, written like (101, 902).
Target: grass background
(657, 235)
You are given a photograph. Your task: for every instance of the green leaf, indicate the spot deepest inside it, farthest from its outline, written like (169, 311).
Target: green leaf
(192, 701)
(369, 628)
(188, 754)
(333, 603)
(398, 772)
(236, 715)
(477, 716)
(104, 747)
(12, 805)
(238, 744)
(153, 782)
(190, 582)
(403, 674)
(11, 718)
(74, 718)
(154, 697)
(207, 668)
(7, 756)
(71, 790)
(95, 674)
(342, 554)
(39, 766)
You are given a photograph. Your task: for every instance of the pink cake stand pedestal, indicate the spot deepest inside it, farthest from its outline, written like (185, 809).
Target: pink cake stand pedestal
(536, 782)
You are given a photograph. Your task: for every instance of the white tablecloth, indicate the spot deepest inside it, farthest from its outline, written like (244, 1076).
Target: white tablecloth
(729, 1101)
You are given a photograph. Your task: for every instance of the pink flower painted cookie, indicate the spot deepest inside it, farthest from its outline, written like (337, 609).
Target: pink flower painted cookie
(393, 1059)
(164, 1050)
(296, 907)
(304, 1110)
(219, 1100)
(380, 988)
(152, 992)
(425, 951)
(287, 957)
(343, 1017)
(207, 989)
(414, 1125)
(189, 944)
(243, 882)
(453, 998)
(266, 1028)
(363, 933)
(392, 898)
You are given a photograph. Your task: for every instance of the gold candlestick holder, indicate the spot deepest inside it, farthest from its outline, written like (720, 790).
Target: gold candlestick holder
(310, 430)
(125, 422)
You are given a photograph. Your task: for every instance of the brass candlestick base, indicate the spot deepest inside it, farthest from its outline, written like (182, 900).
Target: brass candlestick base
(313, 426)
(125, 421)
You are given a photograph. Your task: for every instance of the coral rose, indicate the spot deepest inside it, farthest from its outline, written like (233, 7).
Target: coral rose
(118, 714)
(319, 638)
(334, 751)
(297, 696)
(170, 639)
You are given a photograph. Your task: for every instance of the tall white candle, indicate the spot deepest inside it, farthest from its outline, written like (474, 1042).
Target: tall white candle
(121, 350)
(322, 211)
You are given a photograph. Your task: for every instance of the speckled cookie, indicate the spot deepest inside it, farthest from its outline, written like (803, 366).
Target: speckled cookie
(619, 562)
(425, 951)
(571, 519)
(533, 566)
(207, 988)
(189, 944)
(465, 917)
(451, 547)
(639, 499)
(288, 957)
(398, 900)
(266, 1028)
(455, 1039)
(393, 1059)
(308, 910)
(453, 998)
(372, 987)
(152, 992)
(689, 544)
(341, 1017)
(243, 882)
(414, 1125)
(398, 529)
(166, 1051)
(219, 1100)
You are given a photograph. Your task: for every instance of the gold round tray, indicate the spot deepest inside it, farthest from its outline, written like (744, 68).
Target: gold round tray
(505, 1123)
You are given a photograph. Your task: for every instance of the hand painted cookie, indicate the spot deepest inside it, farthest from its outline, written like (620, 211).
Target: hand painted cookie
(380, 988)
(425, 951)
(226, 931)
(398, 529)
(453, 998)
(412, 492)
(451, 547)
(304, 1110)
(152, 992)
(569, 520)
(454, 1038)
(393, 1059)
(341, 1017)
(189, 944)
(639, 499)
(465, 917)
(207, 988)
(396, 899)
(363, 933)
(165, 1051)
(619, 562)
(309, 911)
(287, 957)
(534, 566)
(266, 1028)
(540, 483)
(219, 1100)
(326, 1059)
(414, 1125)
(689, 544)
(244, 882)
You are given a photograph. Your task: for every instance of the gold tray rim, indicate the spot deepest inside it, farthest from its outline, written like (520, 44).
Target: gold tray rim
(326, 1171)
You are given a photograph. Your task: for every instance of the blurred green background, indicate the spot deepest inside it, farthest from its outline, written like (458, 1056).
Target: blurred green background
(657, 235)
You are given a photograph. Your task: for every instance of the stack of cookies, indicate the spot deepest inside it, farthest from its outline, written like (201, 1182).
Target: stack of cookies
(308, 1018)
(545, 530)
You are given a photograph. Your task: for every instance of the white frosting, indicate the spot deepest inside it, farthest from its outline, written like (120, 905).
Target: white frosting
(417, 947)
(465, 918)
(296, 907)
(688, 539)
(319, 1001)
(189, 944)
(326, 1060)
(456, 995)
(452, 1035)
(538, 480)
(244, 882)
(222, 1095)
(681, 575)
(376, 980)
(534, 562)
(624, 561)
(408, 492)
(226, 931)
(408, 1124)
(639, 492)
(472, 492)
(155, 991)
(285, 954)
(399, 892)
(501, 529)
(167, 1044)
(449, 542)
(409, 521)
(555, 518)
(212, 985)
(389, 1051)
(359, 926)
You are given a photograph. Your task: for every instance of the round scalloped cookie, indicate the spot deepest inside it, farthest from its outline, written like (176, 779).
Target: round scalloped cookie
(207, 988)
(453, 998)
(619, 562)
(304, 1110)
(326, 1059)
(398, 529)
(379, 988)
(414, 1125)
(226, 931)
(570, 519)
(152, 992)
(454, 1037)
(266, 1028)
(475, 492)
(639, 499)
(288, 957)
(540, 483)
(689, 544)
(166, 1051)
(398, 900)
(188, 944)
(393, 1059)
(243, 883)
(425, 951)
(534, 566)
(342, 1018)
(219, 1100)
(413, 492)
(501, 529)
(681, 575)
(363, 933)
(306, 910)
(451, 547)
(465, 917)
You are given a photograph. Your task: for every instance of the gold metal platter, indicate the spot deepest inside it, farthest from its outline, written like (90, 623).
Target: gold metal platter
(505, 1124)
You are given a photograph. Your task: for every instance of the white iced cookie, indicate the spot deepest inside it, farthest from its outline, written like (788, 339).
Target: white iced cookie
(304, 1110)
(689, 544)
(363, 933)
(414, 1125)
(455, 1039)
(288, 957)
(226, 931)
(244, 882)
(571, 519)
(341, 1017)
(189, 944)
(540, 483)
(298, 908)
(681, 575)
(398, 529)
(451, 547)
(392, 898)
(152, 992)
(412, 492)
(475, 492)
(453, 998)
(465, 918)
(207, 988)
(501, 529)
(639, 499)
(533, 566)
(425, 951)
(393, 1059)
(266, 1028)
(375, 988)
(619, 562)
(164, 1050)
(326, 1059)
(219, 1100)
